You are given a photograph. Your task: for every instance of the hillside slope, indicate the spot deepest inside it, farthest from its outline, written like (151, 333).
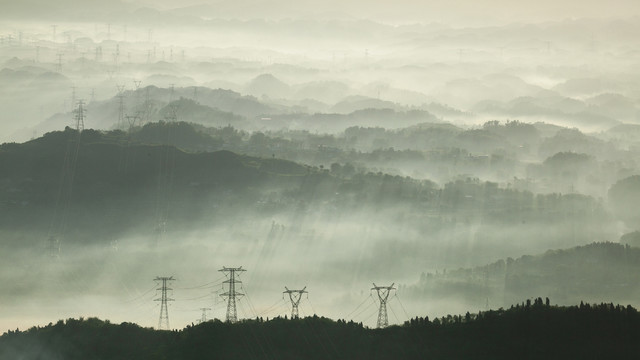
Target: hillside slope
(594, 272)
(532, 330)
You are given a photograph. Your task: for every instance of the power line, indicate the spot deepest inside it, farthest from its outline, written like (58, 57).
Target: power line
(63, 196)
(311, 305)
(402, 306)
(120, 96)
(357, 307)
(276, 306)
(207, 285)
(394, 314)
(365, 309)
(137, 298)
(195, 298)
(249, 302)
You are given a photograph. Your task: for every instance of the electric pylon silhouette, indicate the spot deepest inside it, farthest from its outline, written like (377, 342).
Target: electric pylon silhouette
(54, 247)
(73, 96)
(204, 315)
(59, 64)
(120, 96)
(295, 296)
(232, 294)
(80, 116)
(164, 311)
(383, 295)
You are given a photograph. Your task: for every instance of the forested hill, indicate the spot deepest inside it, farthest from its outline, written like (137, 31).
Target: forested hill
(594, 272)
(109, 180)
(103, 180)
(532, 330)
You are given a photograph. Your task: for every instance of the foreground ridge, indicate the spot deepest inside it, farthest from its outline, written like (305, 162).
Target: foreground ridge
(533, 329)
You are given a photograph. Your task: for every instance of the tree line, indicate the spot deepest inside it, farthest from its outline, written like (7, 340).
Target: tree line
(532, 329)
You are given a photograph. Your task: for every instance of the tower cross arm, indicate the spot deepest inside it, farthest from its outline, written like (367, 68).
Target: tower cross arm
(375, 287)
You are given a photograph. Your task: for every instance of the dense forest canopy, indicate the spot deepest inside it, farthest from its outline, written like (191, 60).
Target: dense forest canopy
(533, 328)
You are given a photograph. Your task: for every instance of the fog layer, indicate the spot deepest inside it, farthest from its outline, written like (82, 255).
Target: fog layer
(436, 146)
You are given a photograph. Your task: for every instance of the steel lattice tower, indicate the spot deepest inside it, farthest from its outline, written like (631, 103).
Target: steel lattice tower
(59, 64)
(54, 247)
(80, 116)
(203, 318)
(295, 296)
(120, 106)
(232, 294)
(383, 295)
(73, 96)
(164, 311)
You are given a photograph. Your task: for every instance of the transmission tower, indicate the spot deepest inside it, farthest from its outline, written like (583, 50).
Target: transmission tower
(383, 295)
(172, 116)
(132, 119)
(204, 315)
(164, 312)
(147, 106)
(295, 296)
(98, 56)
(59, 63)
(139, 113)
(73, 96)
(54, 247)
(120, 106)
(116, 55)
(232, 294)
(80, 116)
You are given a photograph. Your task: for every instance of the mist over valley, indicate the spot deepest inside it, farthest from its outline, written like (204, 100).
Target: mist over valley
(473, 161)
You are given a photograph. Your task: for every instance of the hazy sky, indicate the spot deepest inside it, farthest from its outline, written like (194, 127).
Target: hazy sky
(458, 12)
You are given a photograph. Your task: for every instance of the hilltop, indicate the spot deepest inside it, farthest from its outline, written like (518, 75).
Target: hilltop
(530, 330)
